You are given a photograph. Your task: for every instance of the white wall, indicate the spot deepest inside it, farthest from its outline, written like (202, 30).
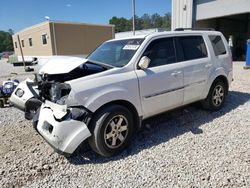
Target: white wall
(207, 9)
(182, 13)
(138, 32)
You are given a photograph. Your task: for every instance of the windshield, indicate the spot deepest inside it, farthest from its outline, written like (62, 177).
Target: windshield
(116, 53)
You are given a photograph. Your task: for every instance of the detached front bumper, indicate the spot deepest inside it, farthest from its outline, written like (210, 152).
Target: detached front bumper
(25, 91)
(63, 135)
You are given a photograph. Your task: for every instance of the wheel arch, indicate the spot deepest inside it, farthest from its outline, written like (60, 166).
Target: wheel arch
(136, 118)
(207, 103)
(218, 74)
(224, 79)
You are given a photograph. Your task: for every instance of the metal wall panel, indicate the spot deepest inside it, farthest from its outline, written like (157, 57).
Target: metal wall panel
(207, 9)
(182, 13)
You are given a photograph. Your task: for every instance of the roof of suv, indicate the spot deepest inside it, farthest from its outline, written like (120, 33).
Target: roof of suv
(166, 33)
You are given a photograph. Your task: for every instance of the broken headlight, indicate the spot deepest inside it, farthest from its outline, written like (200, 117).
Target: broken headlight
(77, 113)
(59, 92)
(80, 113)
(62, 100)
(19, 92)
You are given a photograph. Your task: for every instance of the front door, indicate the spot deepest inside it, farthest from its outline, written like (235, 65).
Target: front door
(161, 84)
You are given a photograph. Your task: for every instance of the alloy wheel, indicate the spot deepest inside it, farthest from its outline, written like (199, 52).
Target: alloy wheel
(116, 131)
(218, 95)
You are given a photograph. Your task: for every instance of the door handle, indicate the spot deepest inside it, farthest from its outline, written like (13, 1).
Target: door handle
(208, 65)
(175, 73)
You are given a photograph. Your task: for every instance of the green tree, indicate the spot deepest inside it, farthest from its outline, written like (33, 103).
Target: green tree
(146, 21)
(167, 21)
(6, 43)
(121, 24)
(138, 23)
(10, 31)
(156, 21)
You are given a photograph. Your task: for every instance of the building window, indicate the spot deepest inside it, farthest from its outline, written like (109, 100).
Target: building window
(30, 42)
(218, 45)
(22, 41)
(44, 39)
(15, 44)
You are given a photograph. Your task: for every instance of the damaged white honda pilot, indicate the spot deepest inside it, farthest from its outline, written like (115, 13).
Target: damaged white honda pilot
(104, 98)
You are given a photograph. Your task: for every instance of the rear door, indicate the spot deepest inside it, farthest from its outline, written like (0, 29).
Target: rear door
(196, 62)
(161, 84)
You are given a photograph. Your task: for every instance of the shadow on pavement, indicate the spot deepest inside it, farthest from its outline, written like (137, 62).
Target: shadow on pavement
(164, 127)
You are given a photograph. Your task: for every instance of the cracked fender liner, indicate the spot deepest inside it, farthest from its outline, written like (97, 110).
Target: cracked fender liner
(58, 110)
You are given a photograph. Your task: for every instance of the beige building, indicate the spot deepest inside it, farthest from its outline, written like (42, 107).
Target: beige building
(60, 38)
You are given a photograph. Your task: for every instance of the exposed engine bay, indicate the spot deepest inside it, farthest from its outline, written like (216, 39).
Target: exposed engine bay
(52, 87)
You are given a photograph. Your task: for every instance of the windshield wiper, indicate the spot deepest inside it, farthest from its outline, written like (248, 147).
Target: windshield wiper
(104, 65)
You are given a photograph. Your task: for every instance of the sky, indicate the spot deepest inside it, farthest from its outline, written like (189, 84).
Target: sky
(18, 14)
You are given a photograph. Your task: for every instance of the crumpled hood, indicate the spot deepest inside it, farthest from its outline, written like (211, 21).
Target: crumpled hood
(61, 65)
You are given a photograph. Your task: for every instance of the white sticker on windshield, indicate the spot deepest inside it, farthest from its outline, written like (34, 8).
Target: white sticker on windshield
(131, 47)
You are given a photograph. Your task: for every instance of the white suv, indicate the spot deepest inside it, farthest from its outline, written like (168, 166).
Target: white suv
(105, 97)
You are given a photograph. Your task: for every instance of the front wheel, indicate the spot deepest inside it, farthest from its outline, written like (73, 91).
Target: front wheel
(216, 96)
(111, 129)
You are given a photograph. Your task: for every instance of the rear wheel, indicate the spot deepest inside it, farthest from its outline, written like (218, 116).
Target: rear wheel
(216, 96)
(111, 130)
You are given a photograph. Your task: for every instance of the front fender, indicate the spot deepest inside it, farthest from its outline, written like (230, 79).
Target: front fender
(106, 95)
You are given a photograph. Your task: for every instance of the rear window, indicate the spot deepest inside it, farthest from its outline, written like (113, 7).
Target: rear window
(193, 47)
(218, 45)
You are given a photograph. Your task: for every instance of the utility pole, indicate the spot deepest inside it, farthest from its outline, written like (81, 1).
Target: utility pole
(21, 50)
(133, 12)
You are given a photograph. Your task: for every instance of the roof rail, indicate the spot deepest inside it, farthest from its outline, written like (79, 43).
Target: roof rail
(195, 29)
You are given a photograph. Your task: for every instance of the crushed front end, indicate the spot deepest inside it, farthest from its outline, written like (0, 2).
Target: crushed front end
(62, 127)
(43, 100)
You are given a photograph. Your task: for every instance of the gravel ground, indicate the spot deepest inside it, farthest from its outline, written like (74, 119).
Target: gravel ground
(8, 71)
(188, 147)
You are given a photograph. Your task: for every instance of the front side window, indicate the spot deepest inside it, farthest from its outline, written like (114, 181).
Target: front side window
(30, 41)
(116, 53)
(44, 39)
(218, 45)
(161, 52)
(193, 47)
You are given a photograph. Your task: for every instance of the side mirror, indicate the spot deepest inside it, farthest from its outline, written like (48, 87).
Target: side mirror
(144, 62)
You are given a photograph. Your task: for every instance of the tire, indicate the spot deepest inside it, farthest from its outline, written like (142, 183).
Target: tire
(111, 129)
(216, 96)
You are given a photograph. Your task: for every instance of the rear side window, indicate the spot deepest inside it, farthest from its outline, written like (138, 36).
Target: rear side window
(193, 47)
(218, 45)
(161, 52)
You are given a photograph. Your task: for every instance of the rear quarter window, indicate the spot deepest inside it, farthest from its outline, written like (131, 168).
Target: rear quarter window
(193, 47)
(218, 45)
